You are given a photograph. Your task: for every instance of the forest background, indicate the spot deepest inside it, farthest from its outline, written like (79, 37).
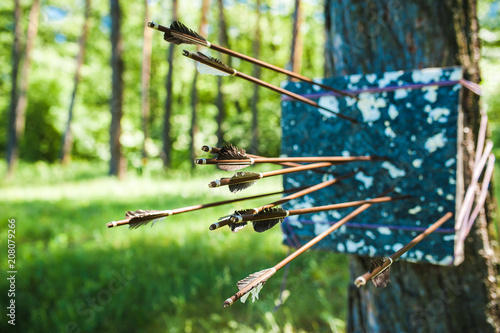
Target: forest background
(175, 277)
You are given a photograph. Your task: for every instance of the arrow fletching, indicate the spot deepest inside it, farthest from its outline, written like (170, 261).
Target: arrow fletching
(231, 152)
(217, 67)
(251, 285)
(237, 226)
(243, 180)
(204, 69)
(382, 279)
(141, 217)
(180, 34)
(266, 223)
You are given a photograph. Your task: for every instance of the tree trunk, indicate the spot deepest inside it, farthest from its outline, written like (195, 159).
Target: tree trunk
(224, 42)
(67, 140)
(194, 93)
(254, 144)
(297, 40)
(365, 36)
(12, 129)
(19, 99)
(145, 79)
(117, 163)
(167, 142)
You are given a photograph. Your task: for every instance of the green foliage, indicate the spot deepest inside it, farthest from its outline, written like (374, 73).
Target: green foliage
(489, 16)
(53, 65)
(74, 273)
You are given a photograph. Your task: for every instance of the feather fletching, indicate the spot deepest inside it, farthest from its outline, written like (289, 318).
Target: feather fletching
(264, 225)
(256, 289)
(215, 63)
(230, 152)
(382, 279)
(235, 227)
(141, 217)
(204, 69)
(240, 187)
(180, 34)
(243, 180)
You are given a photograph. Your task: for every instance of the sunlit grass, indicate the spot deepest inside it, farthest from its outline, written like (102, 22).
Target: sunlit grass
(74, 273)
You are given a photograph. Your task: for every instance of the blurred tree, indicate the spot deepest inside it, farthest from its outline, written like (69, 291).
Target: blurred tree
(254, 101)
(167, 142)
(117, 162)
(20, 98)
(373, 36)
(297, 40)
(67, 140)
(205, 6)
(145, 79)
(224, 42)
(13, 131)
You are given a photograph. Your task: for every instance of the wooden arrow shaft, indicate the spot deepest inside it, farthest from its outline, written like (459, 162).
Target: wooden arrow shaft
(215, 150)
(275, 68)
(369, 275)
(290, 94)
(306, 191)
(270, 216)
(329, 159)
(252, 60)
(259, 82)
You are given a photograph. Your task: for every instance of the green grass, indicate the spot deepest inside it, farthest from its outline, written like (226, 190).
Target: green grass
(76, 275)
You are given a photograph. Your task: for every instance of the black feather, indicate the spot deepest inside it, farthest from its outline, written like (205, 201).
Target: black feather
(181, 34)
(242, 183)
(241, 186)
(264, 225)
(235, 227)
(381, 280)
(230, 152)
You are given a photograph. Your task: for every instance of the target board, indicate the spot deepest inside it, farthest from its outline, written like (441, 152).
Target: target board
(410, 117)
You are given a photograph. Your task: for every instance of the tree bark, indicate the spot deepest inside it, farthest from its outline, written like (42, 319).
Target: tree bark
(194, 93)
(254, 144)
(145, 79)
(297, 39)
(365, 36)
(19, 98)
(67, 140)
(117, 163)
(167, 142)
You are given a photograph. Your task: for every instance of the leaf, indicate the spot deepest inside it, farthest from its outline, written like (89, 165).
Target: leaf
(181, 34)
(382, 279)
